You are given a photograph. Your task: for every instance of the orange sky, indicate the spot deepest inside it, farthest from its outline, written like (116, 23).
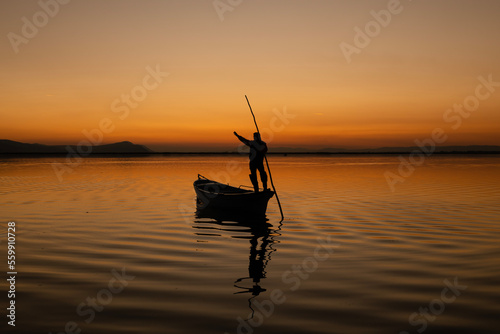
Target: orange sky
(284, 54)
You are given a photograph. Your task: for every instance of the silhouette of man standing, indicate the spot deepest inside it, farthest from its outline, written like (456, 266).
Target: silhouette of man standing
(258, 150)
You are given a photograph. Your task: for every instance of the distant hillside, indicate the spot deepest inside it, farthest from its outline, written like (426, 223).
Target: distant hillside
(124, 147)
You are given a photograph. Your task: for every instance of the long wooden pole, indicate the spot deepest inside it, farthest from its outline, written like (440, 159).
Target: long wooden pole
(267, 163)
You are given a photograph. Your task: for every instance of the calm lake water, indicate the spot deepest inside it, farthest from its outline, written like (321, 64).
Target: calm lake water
(116, 247)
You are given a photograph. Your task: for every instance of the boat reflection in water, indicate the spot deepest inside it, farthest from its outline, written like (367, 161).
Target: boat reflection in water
(262, 236)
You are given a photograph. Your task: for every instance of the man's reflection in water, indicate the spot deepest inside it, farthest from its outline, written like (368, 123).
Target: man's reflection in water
(262, 239)
(259, 245)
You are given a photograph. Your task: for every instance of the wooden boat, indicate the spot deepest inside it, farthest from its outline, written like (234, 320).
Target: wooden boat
(212, 195)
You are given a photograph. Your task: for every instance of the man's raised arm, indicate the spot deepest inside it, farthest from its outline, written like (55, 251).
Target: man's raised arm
(242, 139)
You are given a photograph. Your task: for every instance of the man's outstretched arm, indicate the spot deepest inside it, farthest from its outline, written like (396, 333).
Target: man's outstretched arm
(242, 139)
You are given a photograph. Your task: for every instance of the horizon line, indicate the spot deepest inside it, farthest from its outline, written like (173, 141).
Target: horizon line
(276, 150)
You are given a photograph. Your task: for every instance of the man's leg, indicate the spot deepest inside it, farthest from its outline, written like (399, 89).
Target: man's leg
(253, 177)
(263, 176)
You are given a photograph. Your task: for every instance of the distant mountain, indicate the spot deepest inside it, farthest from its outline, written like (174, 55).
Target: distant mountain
(124, 147)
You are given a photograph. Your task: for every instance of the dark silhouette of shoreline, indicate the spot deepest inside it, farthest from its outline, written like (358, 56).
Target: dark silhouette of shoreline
(124, 147)
(9, 148)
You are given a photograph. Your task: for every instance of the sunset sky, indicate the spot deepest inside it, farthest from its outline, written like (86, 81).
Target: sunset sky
(83, 62)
